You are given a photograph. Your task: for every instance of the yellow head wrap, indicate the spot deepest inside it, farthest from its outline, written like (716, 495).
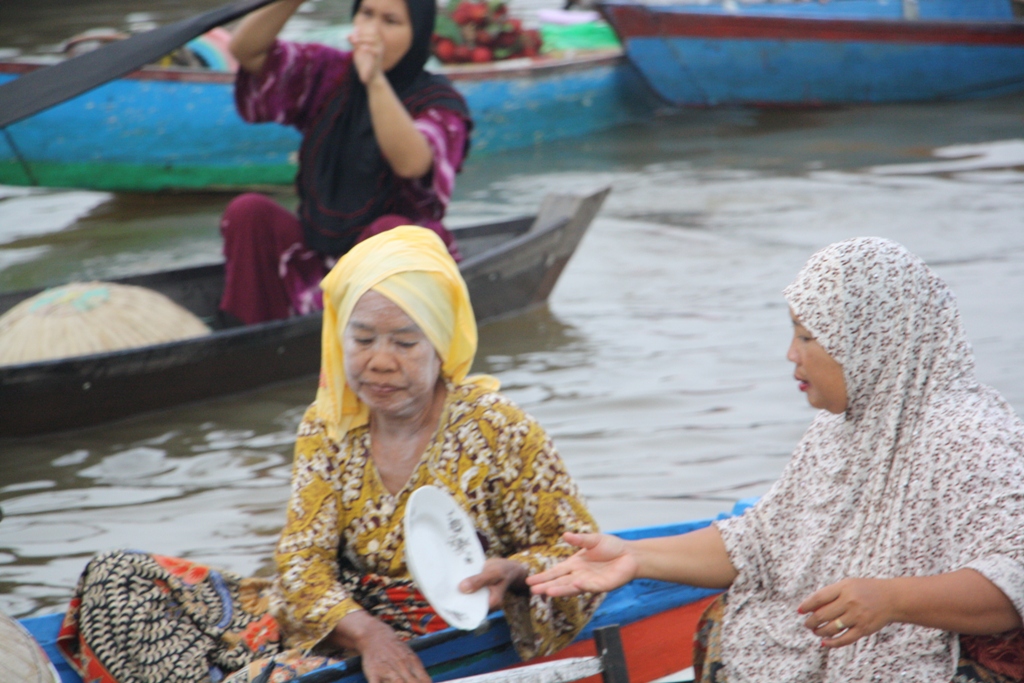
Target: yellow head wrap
(412, 267)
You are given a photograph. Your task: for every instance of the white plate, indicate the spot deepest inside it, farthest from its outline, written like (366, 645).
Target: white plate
(442, 549)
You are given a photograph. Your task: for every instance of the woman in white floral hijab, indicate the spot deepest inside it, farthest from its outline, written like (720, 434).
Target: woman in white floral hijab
(894, 540)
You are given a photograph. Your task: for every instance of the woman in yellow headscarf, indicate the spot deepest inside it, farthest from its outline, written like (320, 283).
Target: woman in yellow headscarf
(395, 411)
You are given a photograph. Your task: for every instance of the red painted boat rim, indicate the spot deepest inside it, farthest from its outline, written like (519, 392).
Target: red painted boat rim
(644, 21)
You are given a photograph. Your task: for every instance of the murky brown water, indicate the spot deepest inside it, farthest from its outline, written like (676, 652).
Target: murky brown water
(658, 367)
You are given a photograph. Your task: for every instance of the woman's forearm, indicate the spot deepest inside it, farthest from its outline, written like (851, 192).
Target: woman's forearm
(355, 629)
(962, 601)
(606, 562)
(255, 34)
(698, 558)
(386, 658)
(403, 147)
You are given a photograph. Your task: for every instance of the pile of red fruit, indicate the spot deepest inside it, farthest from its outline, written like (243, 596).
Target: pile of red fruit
(481, 32)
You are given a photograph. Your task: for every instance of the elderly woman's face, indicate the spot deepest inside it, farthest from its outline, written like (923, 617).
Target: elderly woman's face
(819, 375)
(389, 363)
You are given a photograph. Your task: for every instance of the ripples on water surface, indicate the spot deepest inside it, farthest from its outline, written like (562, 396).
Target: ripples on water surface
(658, 367)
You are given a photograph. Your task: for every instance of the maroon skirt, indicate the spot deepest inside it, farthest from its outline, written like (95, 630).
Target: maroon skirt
(269, 272)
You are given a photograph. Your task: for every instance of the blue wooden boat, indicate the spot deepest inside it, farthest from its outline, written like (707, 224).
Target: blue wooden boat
(656, 620)
(174, 128)
(817, 52)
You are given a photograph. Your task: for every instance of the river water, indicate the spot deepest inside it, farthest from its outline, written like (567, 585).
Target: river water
(658, 367)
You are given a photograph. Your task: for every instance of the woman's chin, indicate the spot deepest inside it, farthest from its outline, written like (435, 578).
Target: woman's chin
(394, 406)
(814, 400)
(379, 400)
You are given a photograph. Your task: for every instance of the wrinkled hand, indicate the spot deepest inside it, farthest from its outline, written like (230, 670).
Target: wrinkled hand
(386, 657)
(367, 53)
(498, 576)
(846, 611)
(603, 563)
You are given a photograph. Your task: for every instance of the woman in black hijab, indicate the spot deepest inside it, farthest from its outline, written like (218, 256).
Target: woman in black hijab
(382, 142)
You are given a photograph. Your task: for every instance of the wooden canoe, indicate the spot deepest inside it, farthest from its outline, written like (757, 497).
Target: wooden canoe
(657, 621)
(732, 52)
(509, 267)
(174, 128)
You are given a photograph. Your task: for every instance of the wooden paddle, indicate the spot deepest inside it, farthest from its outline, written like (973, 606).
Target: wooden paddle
(49, 86)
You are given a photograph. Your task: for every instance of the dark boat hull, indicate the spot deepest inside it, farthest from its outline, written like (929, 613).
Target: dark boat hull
(510, 267)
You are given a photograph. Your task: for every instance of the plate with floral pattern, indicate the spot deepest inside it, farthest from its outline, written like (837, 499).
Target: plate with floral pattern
(442, 549)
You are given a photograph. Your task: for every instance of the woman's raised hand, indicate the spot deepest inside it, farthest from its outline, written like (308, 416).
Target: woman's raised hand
(367, 53)
(603, 563)
(255, 34)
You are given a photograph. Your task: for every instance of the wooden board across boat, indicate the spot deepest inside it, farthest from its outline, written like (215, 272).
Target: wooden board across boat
(509, 267)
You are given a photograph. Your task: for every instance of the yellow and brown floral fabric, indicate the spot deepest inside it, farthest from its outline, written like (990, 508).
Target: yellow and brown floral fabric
(343, 522)
(142, 617)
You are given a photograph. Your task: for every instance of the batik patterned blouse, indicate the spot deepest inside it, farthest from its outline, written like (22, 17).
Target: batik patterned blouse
(492, 457)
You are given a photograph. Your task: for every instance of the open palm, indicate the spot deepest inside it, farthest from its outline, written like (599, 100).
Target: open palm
(603, 563)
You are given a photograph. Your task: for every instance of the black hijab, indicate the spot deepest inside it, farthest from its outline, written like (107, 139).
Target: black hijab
(344, 183)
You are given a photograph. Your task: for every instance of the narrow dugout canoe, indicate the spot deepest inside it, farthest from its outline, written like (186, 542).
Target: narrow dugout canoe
(657, 622)
(811, 52)
(509, 267)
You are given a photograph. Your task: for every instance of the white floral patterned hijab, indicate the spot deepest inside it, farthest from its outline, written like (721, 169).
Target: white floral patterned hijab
(923, 474)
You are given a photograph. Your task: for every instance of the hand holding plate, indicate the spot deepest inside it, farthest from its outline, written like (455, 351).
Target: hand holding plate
(441, 550)
(498, 576)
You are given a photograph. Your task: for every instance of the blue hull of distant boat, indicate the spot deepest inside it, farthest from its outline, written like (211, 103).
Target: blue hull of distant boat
(173, 129)
(811, 53)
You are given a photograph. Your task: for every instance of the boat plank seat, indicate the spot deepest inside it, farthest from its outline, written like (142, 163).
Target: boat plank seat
(610, 662)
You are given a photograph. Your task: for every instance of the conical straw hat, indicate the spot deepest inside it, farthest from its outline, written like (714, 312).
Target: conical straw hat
(21, 658)
(91, 317)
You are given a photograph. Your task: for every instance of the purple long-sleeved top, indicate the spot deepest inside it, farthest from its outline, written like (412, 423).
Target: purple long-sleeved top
(298, 79)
